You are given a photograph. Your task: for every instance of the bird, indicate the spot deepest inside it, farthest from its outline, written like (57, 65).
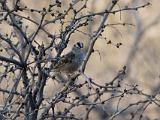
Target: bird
(70, 62)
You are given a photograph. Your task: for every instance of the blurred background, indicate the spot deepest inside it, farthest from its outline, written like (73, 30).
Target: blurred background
(140, 49)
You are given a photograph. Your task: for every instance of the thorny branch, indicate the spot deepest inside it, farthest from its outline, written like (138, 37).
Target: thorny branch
(28, 67)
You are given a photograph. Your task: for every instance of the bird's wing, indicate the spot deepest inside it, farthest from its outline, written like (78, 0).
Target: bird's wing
(65, 59)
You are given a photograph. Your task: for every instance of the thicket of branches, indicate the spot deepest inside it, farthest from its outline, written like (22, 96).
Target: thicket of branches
(26, 64)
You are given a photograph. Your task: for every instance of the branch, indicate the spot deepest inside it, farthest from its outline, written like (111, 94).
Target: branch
(11, 60)
(96, 35)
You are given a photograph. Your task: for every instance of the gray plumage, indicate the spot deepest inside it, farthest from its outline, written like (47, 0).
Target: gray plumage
(71, 61)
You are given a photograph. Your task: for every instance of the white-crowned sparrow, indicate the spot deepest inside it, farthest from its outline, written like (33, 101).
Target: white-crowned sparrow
(69, 62)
